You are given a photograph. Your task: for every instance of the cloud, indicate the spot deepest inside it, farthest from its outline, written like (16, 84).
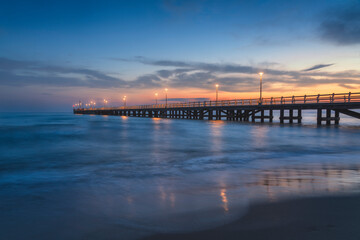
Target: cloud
(162, 63)
(167, 73)
(25, 73)
(9, 64)
(189, 66)
(190, 80)
(268, 64)
(242, 78)
(318, 66)
(183, 67)
(342, 26)
(173, 74)
(10, 79)
(146, 81)
(347, 86)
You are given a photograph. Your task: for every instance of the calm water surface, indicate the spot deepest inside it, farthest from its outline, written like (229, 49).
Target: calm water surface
(65, 176)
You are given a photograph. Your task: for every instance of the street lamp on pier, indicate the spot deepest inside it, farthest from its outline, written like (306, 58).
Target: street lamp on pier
(124, 99)
(217, 92)
(261, 74)
(166, 100)
(156, 97)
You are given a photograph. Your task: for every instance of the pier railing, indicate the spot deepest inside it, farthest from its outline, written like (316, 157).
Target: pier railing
(304, 99)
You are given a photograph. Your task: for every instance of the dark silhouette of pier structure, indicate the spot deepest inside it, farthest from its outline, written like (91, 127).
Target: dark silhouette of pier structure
(327, 106)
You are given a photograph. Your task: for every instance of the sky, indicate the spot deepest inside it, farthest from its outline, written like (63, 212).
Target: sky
(55, 53)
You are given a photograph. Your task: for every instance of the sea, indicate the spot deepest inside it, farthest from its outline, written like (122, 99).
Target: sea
(67, 176)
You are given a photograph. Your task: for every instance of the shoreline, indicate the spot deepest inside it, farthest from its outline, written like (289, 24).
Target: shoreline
(326, 217)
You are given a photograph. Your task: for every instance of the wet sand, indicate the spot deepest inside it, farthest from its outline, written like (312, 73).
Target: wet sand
(327, 218)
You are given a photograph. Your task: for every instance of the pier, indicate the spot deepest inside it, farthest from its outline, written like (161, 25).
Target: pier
(328, 108)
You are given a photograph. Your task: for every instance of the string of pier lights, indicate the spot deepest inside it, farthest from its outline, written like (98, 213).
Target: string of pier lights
(166, 98)
(260, 99)
(217, 92)
(92, 103)
(87, 105)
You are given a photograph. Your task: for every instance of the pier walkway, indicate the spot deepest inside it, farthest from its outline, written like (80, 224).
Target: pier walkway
(328, 107)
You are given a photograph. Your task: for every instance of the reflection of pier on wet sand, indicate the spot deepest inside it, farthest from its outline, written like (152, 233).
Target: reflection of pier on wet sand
(325, 218)
(307, 216)
(307, 179)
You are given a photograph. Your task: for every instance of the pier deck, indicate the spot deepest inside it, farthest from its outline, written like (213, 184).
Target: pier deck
(328, 107)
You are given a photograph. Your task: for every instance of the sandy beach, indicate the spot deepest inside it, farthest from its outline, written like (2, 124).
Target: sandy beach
(335, 217)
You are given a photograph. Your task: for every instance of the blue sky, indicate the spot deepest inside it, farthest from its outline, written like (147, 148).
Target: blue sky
(53, 53)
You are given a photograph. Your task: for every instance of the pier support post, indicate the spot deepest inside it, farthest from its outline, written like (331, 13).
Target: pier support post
(210, 117)
(337, 117)
(319, 116)
(328, 116)
(201, 117)
(247, 115)
(282, 115)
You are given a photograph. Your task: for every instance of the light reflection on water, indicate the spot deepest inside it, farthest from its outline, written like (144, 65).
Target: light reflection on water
(216, 136)
(224, 199)
(97, 175)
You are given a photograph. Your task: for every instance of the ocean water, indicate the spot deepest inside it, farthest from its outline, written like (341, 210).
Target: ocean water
(65, 176)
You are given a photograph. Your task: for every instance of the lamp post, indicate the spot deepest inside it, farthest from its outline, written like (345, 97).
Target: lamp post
(217, 92)
(156, 97)
(124, 99)
(261, 74)
(166, 90)
(105, 102)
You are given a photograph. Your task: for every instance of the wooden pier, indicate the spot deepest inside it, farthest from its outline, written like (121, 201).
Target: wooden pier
(327, 106)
